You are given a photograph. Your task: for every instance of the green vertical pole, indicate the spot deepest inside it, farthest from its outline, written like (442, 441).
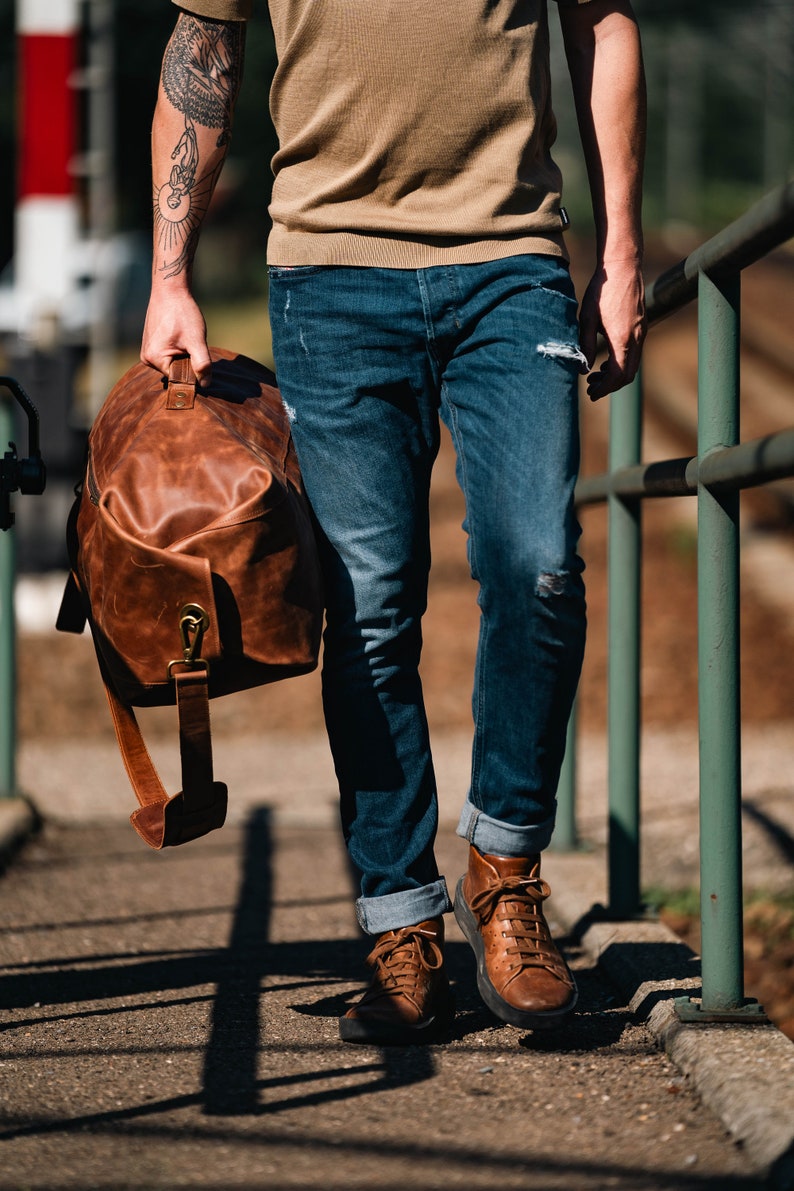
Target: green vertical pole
(7, 634)
(718, 654)
(565, 834)
(623, 702)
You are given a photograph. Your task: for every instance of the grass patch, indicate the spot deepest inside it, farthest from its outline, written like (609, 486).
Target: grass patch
(773, 912)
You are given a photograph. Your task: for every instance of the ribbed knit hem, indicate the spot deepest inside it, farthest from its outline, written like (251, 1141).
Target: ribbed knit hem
(217, 10)
(349, 248)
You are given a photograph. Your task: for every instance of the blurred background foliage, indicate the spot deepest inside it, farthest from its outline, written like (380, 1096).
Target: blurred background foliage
(721, 93)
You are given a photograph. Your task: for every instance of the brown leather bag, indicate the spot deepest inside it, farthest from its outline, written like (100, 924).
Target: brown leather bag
(194, 563)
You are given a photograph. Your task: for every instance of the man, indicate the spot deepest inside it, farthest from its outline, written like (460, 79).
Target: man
(417, 270)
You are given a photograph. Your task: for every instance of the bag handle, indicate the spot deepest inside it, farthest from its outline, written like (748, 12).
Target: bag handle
(181, 384)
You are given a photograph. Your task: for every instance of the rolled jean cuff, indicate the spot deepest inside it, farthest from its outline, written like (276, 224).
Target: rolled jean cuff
(503, 839)
(406, 908)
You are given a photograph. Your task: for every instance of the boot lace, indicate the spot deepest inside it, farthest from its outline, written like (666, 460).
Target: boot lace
(520, 900)
(400, 958)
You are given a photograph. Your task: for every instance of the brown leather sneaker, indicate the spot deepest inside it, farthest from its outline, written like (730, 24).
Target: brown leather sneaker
(408, 1000)
(521, 975)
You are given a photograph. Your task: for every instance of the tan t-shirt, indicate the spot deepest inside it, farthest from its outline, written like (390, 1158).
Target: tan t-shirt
(411, 133)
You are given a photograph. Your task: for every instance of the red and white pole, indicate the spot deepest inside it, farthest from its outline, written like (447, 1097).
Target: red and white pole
(47, 215)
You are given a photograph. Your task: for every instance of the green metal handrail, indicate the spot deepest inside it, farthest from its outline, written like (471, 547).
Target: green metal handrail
(722, 466)
(757, 461)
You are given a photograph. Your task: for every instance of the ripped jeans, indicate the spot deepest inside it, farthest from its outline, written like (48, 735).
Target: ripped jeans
(367, 360)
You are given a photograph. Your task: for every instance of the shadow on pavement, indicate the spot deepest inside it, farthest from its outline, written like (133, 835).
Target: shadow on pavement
(306, 1074)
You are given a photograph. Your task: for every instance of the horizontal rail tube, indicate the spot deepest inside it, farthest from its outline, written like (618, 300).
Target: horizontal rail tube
(765, 226)
(744, 466)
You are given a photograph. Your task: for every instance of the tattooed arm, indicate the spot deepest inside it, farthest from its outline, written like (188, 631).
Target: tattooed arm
(201, 74)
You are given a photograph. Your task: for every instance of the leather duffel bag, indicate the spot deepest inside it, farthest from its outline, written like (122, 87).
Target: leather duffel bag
(194, 563)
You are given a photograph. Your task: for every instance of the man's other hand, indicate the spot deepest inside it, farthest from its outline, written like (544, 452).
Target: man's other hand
(614, 305)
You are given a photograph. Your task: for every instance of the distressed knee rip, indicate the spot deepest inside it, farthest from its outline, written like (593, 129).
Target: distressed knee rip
(564, 351)
(552, 583)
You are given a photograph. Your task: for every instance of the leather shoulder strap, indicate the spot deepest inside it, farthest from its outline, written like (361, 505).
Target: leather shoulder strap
(200, 806)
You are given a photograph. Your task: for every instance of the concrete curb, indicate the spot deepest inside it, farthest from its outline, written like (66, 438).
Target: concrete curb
(18, 821)
(743, 1073)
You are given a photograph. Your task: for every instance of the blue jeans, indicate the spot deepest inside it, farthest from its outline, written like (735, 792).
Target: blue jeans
(367, 359)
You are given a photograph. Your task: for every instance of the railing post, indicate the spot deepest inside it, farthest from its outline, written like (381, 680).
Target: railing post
(718, 654)
(7, 633)
(623, 704)
(566, 837)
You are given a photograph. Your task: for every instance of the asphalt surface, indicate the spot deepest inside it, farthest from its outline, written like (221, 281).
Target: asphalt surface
(169, 1020)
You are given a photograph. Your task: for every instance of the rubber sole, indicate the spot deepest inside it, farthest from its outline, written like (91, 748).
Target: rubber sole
(379, 1033)
(544, 1020)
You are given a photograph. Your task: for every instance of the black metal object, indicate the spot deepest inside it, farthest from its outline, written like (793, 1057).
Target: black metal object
(28, 475)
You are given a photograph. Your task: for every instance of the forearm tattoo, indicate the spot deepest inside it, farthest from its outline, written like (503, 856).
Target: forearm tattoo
(201, 76)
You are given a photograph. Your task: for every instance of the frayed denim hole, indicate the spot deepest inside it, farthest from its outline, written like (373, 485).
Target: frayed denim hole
(564, 351)
(552, 583)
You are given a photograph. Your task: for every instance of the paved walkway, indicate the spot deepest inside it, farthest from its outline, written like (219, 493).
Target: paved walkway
(170, 1020)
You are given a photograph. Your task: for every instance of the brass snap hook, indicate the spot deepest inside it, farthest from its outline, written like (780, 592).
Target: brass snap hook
(193, 623)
